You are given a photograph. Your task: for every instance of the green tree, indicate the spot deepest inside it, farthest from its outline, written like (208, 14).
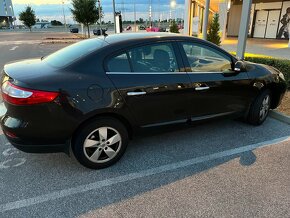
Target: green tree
(85, 12)
(28, 17)
(56, 23)
(174, 27)
(214, 28)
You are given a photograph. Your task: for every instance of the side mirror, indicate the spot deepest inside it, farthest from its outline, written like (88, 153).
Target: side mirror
(239, 66)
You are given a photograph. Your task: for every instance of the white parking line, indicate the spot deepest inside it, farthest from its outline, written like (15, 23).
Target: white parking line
(13, 49)
(132, 176)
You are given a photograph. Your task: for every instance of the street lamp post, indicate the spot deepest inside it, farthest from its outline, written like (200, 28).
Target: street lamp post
(150, 13)
(172, 7)
(114, 16)
(12, 13)
(135, 16)
(64, 15)
(100, 16)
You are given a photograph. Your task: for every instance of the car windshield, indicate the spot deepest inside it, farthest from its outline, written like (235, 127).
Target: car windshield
(73, 52)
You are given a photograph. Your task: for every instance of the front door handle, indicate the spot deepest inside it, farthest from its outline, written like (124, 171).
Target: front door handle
(136, 93)
(201, 88)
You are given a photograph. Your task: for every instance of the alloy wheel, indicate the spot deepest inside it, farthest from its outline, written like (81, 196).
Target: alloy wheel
(102, 145)
(264, 109)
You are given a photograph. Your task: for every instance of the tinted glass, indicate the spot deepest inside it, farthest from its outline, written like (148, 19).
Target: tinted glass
(154, 58)
(73, 52)
(119, 63)
(205, 59)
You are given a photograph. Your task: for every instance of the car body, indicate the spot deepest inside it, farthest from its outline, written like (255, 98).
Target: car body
(128, 81)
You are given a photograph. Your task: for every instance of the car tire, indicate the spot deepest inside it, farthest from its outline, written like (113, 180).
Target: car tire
(100, 143)
(260, 108)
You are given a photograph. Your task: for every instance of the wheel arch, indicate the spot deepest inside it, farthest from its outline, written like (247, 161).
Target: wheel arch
(116, 116)
(276, 94)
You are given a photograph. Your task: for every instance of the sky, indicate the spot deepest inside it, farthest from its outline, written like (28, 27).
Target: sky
(53, 9)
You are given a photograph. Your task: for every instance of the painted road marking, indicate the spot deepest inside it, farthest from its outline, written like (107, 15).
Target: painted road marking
(15, 162)
(10, 151)
(28, 42)
(13, 49)
(132, 176)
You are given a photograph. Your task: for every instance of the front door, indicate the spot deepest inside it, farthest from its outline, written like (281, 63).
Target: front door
(149, 80)
(260, 24)
(272, 25)
(217, 90)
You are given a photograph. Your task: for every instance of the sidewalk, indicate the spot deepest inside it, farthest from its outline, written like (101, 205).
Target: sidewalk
(271, 47)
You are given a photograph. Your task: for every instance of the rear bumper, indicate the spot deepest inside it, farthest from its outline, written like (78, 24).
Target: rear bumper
(39, 129)
(53, 148)
(38, 148)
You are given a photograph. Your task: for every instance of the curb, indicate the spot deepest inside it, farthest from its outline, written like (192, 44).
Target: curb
(279, 116)
(2, 109)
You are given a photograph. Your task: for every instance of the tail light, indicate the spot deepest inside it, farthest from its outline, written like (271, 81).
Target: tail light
(22, 96)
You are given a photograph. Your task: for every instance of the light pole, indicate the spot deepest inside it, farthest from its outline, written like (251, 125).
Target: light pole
(100, 16)
(135, 16)
(172, 7)
(13, 16)
(114, 16)
(63, 15)
(150, 13)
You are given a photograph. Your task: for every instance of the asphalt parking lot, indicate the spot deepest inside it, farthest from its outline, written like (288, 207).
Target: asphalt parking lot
(223, 168)
(216, 169)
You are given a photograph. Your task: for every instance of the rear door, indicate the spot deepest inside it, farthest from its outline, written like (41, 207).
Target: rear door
(148, 77)
(217, 90)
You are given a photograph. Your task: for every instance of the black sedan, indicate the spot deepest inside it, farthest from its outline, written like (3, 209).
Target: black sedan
(90, 97)
(74, 30)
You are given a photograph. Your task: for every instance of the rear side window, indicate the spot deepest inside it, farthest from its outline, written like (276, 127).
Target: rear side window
(73, 52)
(119, 63)
(153, 58)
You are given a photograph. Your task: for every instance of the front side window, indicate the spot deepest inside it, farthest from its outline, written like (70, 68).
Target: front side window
(119, 63)
(153, 58)
(202, 58)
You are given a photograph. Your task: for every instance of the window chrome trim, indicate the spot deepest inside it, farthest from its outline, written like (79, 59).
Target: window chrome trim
(158, 73)
(143, 73)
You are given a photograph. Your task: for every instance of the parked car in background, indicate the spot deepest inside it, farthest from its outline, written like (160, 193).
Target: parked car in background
(99, 32)
(142, 27)
(91, 96)
(128, 28)
(74, 30)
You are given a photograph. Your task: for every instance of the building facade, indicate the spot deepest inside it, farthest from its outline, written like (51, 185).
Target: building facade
(268, 19)
(6, 13)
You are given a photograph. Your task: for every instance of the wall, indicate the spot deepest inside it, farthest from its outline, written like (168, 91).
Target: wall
(2, 8)
(234, 20)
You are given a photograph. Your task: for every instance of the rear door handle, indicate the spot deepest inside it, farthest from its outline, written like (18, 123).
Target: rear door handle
(136, 93)
(201, 88)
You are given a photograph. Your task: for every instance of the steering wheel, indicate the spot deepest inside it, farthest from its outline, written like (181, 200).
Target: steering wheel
(195, 64)
(145, 64)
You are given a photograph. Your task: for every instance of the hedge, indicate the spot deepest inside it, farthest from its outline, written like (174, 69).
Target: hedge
(282, 65)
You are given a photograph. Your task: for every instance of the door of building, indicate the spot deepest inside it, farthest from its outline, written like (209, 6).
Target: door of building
(260, 24)
(272, 24)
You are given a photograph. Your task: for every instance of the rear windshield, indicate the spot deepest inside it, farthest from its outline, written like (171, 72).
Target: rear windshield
(73, 52)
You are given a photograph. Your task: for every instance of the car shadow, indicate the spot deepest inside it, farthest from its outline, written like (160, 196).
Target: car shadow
(150, 149)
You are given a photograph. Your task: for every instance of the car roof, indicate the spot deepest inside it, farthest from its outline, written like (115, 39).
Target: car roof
(117, 38)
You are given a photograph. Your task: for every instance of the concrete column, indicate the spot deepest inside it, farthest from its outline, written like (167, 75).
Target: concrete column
(223, 12)
(187, 17)
(244, 28)
(289, 35)
(205, 19)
